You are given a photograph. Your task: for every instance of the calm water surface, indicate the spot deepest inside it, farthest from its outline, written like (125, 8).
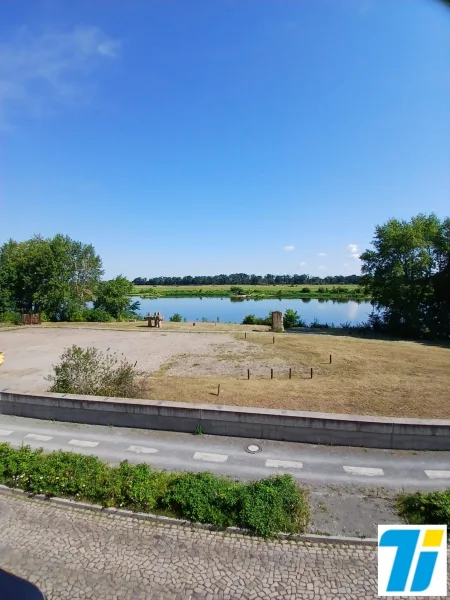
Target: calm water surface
(194, 309)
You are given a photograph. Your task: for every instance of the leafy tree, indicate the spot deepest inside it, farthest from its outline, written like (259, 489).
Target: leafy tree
(55, 275)
(406, 275)
(113, 297)
(292, 319)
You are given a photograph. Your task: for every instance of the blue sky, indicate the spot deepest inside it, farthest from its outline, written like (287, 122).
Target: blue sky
(217, 136)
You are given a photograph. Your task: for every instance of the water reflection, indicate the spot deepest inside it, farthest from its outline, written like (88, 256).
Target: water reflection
(331, 311)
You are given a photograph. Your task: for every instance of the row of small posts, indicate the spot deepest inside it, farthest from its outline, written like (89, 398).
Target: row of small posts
(271, 374)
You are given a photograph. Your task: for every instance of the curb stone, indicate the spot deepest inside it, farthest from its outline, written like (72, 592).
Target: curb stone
(306, 538)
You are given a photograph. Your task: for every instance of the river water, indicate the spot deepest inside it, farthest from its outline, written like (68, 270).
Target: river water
(227, 311)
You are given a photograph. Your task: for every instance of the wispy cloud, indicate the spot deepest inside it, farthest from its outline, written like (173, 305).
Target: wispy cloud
(288, 248)
(302, 264)
(322, 267)
(322, 254)
(44, 70)
(352, 250)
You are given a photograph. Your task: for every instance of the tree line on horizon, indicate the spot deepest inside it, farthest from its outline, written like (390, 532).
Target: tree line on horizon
(245, 279)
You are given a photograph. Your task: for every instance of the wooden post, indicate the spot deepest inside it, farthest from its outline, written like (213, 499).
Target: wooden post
(248, 373)
(290, 373)
(218, 390)
(273, 340)
(311, 372)
(330, 359)
(271, 373)
(245, 335)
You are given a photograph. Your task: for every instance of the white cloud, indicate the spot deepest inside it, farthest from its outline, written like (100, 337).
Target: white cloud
(302, 264)
(322, 268)
(41, 71)
(322, 254)
(352, 250)
(288, 248)
(346, 264)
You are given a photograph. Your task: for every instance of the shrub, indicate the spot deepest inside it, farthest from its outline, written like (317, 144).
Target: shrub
(274, 504)
(96, 373)
(252, 320)
(176, 318)
(306, 290)
(97, 315)
(317, 325)
(290, 318)
(204, 498)
(140, 488)
(431, 508)
(237, 291)
(265, 507)
(10, 317)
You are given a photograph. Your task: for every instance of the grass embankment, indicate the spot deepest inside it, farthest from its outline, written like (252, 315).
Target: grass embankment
(432, 508)
(265, 507)
(258, 292)
(368, 377)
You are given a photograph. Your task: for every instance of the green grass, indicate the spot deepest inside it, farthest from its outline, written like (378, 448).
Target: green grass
(344, 292)
(265, 507)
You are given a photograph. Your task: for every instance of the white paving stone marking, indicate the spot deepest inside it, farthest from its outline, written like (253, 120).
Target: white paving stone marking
(218, 458)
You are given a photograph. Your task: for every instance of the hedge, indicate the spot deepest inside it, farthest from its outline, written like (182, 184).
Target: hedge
(431, 508)
(265, 507)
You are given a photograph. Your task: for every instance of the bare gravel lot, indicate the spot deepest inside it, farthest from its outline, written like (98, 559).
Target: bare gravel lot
(31, 352)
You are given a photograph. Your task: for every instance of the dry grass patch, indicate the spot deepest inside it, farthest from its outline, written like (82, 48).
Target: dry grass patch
(370, 377)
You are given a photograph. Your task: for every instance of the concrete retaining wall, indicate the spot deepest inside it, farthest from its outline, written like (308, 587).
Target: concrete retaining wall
(283, 425)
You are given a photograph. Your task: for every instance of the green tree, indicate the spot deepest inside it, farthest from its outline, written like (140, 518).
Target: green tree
(290, 318)
(403, 274)
(113, 296)
(55, 275)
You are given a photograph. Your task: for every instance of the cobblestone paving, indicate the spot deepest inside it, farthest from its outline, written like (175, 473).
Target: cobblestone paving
(76, 554)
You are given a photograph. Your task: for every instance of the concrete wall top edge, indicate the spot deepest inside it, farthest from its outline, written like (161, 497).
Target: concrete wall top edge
(205, 410)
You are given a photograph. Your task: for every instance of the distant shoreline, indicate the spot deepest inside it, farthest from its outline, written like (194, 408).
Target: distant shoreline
(287, 292)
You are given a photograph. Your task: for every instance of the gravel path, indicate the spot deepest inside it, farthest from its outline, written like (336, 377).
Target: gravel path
(75, 555)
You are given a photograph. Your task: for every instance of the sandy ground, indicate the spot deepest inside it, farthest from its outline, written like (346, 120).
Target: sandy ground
(31, 352)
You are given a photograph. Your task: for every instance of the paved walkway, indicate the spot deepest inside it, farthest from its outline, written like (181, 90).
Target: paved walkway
(75, 554)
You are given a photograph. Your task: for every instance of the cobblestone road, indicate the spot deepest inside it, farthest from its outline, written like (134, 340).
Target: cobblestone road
(76, 554)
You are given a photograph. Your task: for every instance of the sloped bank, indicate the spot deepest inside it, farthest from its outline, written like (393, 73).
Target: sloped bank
(281, 425)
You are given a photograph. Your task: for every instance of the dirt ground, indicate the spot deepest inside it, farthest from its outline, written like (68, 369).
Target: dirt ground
(370, 377)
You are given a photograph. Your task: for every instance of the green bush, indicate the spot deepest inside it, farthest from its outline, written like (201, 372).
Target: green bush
(176, 318)
(274, 504)
(265, 507)
(432, 508)
(306, 290)
(237, 291)
(205, 498)
(252, 320)
(97, 315)
(96, 373)
(290, 318)
(10, 317)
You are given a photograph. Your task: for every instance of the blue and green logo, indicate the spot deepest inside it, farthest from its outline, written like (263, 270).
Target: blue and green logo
(412, 560)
